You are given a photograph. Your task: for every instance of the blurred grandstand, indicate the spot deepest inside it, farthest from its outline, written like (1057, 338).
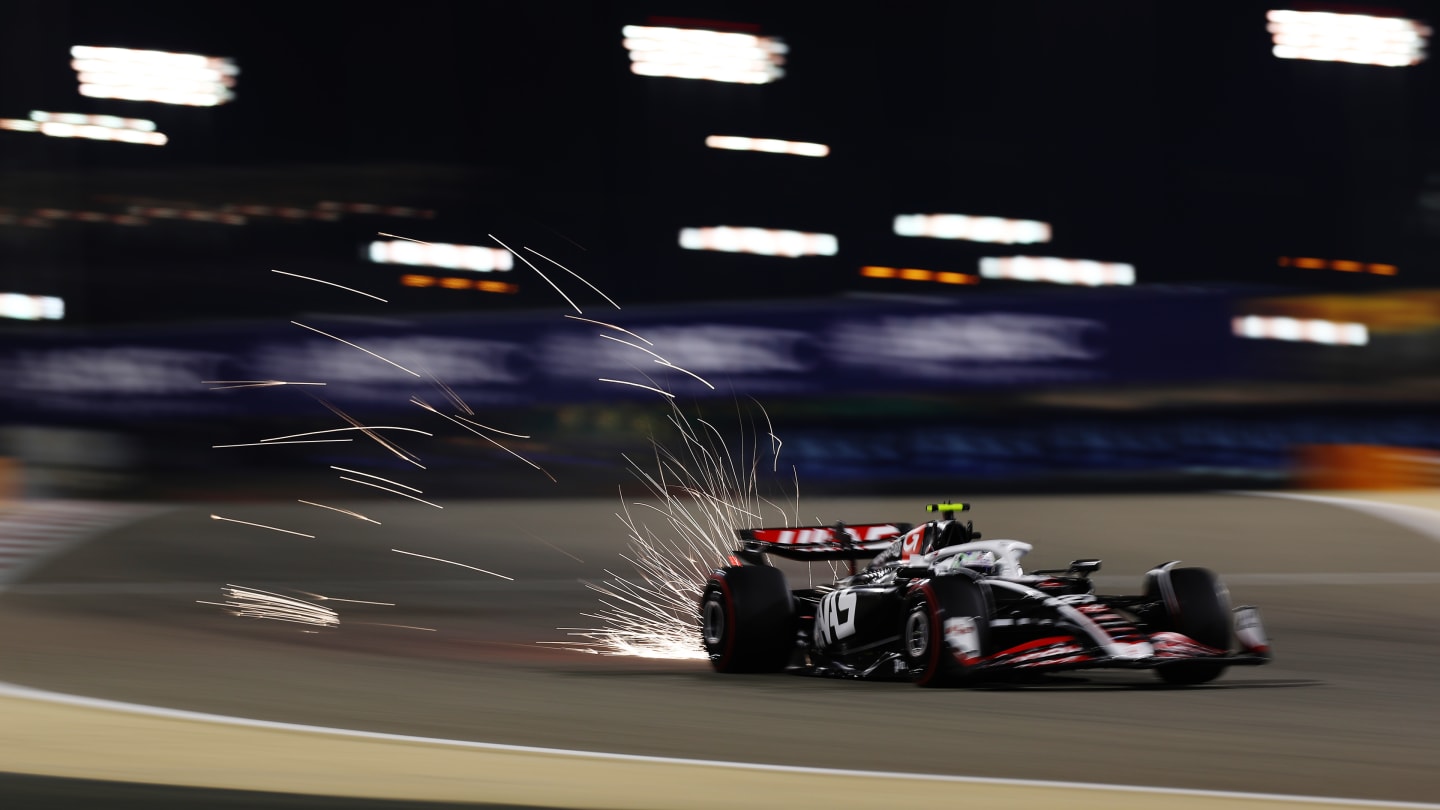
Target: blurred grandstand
(960, 247)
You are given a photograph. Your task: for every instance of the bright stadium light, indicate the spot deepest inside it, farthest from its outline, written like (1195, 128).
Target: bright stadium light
(1057, 271)
(1300, 330)
(762, 241)
(438, 254)
(974, 229)
(18, 306)
(772, 145)
(1357, 38)
(699, 53)
(159, 76)
(92, 127)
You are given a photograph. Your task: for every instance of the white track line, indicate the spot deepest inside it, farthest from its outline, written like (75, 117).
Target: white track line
(1418, 519)
(27, 693)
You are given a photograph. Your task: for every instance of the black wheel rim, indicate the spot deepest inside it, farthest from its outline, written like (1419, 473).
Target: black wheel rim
(713, 622)
(917, 633)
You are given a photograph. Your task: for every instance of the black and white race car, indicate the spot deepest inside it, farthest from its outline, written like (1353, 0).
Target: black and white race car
(939, 606)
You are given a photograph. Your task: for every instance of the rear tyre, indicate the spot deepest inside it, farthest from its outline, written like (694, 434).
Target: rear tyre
(1202, 612)
(747, 619)
(941, 607)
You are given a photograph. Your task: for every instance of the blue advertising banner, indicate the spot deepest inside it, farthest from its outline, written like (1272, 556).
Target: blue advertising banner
(761, 349)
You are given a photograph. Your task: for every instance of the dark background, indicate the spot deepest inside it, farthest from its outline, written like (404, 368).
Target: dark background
(1160, 134)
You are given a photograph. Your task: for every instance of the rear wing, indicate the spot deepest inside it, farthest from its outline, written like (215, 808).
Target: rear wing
(837, 542)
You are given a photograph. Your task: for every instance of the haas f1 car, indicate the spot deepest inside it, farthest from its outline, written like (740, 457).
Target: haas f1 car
(939, 606)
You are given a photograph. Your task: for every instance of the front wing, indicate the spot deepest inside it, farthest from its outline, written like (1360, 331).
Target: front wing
(1064, 651)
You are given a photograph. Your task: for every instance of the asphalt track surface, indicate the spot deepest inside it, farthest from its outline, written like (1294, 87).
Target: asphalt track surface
(1348, 709)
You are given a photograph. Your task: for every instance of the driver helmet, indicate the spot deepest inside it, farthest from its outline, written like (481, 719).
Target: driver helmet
(981, 562)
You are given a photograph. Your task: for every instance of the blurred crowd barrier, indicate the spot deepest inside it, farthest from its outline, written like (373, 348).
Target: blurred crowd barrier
(1127, 388)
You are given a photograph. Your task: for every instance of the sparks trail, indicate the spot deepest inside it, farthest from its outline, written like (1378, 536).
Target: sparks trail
(319, 598)
(700, 492)
(261, 526)
(383, 442)
(273, 443)
(342, 511)
(451, 395)
(253, 603)
(338, 430)
(538, 273)
(611, 326)
(452, 562)
(406, 238)
(377, 478)
(423, 404)
(637, 385)
(353, 346)
(571, 272)
(431, 408)
(227, 384)
(658, 359)
(332, 284)
(492, 429)
(393, 492)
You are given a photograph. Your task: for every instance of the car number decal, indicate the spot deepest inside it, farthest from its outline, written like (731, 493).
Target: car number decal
(836, 619)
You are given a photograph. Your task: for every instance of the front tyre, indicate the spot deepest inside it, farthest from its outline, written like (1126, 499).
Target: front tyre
(1201, 610)
(945, 631)
(747, 619)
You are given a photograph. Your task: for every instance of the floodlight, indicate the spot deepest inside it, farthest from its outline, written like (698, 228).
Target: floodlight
(439, 254)
(762, 241)
(1057, 271)
(1356, 38)
(1300, 330)
(92, 127)
(772, 145)
(698, 53)
(22, 307)
(974, 229)
(159, 76)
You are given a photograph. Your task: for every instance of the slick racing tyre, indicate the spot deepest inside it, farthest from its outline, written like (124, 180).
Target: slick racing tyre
(747, 619)
(945, 631)
(1201, 611)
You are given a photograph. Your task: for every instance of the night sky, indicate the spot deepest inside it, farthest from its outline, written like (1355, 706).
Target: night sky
(1160, 134)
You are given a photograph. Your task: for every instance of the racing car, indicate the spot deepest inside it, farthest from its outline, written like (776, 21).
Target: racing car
(940, 606)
